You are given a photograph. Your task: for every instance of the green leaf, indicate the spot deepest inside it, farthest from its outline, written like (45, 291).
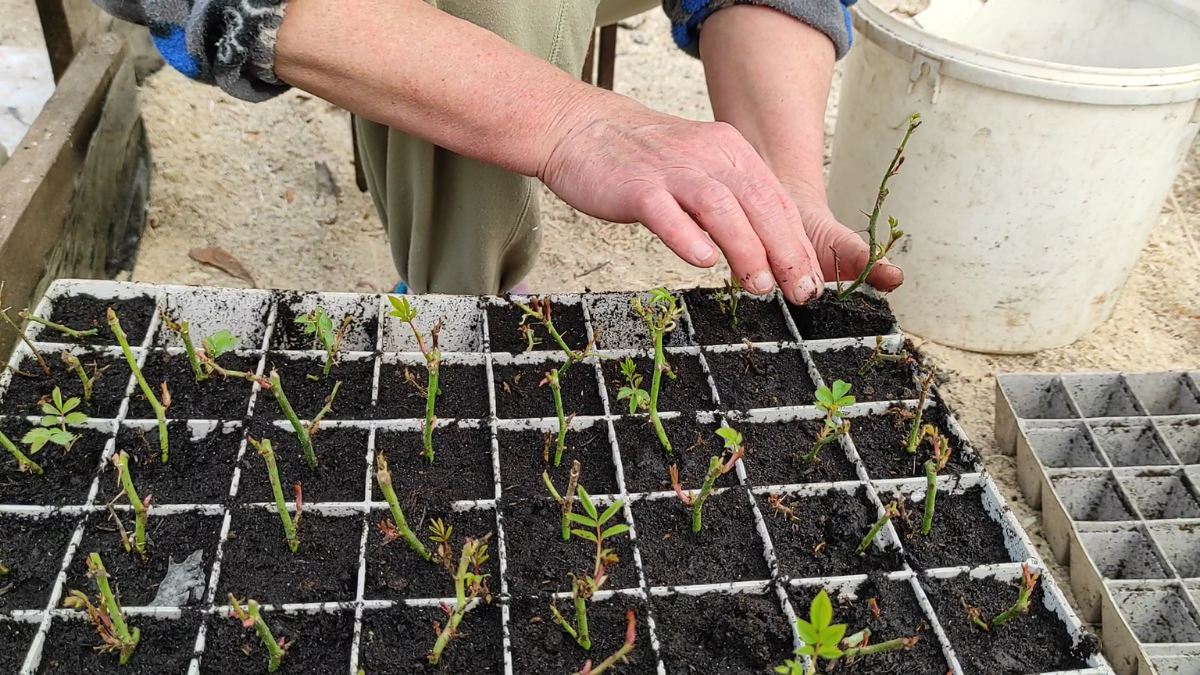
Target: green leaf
(60, 437)
(806, 650)
(75, 418)
(581, 519)
(829, 652)
(824, 396)
(610, 512)
(820, 613)
(57, 396)
(840, 389)
(614, 531)
(584, 535)
(401, 309)
(733, 439)
(49, 421)
(325, 324)
(808, 632)
(36, 439)
(832, 635)
(71, 404)
(586, 500)
(49, 409)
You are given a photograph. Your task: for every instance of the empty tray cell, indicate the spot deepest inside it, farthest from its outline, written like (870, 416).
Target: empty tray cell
(1164, 393)
(1094, 498)
(1063, 447)
(1183, 437)
(1180, 543)
(1160, 494)
(1157, 615)
(1132, 444)
(1176, 665)
(1123, 554)
(1037, 397)
(1101, 395)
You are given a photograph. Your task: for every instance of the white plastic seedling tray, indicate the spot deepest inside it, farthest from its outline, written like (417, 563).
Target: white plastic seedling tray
(1113, 460)
(466, 339)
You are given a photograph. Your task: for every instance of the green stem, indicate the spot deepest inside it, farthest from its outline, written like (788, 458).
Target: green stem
(914, 434)
(384, 478)
(714, 472)
(656, 382)
(561, 444)
(325, 409)
(159, 411)
(121, 460)
(821, 442)
(567, 503)
(433, 362)
(460, 608)
(74, 364)
(930, 496)
(21, 334)
(186, 336)
(77, 334)
(23, 462)
(301, 430)
(879, 648)
(558, 618)
(289, 526)
(883, 520)
(274, 651)
(129, 640)
(584, 639)
(620, 654)
(881, 357)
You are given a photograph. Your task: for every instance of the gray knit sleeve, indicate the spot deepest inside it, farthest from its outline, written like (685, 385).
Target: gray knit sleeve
(831, 17)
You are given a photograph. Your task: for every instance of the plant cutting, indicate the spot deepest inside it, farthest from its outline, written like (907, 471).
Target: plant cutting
(21, 334)
(941, 456)
(53, 425)
(318, 324)
(729, 303)
(876, 249)
(888, 513)
(109, 620)
(823, 640)
(565, 504)
(584, 587)
(661, 314)
(69, 332)
(717, 467)
(433, 359)
(140, 507)
(469, 585)
(831, 400)
(160, 410)
(915, 435)
(89, 382)
(303, 433)
(290, 523)
(24, 464)
(619, 656)
(1021, 606)
(878, 356)
(639, 399)
(252, 618)
(204, 362)
(399, 524)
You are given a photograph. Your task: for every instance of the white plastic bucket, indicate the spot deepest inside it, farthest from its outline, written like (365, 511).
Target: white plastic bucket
(1032, 185)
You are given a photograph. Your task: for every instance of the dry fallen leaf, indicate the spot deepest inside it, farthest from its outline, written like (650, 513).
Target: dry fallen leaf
(325, 182)
(224, 261)
(289, 194)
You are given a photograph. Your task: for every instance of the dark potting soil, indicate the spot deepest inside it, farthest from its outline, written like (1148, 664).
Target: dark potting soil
(505, 321)
(256, 560)
(687, 392)
(32, 549)
(395, 571)
(962, 532)
(461, 468)
(463, 394)
(539, 561)
(775, 451)
(858, 316)
(216, 398)
(522, 461)
(540, 645)
(757, 320)
(197, 471)
(15, 638)
(166, 646)
(289, 335)
(86, 311)
(722, 634)
(757, 379)
(67, 476)
(398, 640)
(307, 397)
(900, 616)
(880, 440)
(518, 393)
(25, 394)
(885, 381)
(726, 549)
(646, 463)
(321, 644)
(170, 538)
(837, 519)
(1036, 642)
(341, 466)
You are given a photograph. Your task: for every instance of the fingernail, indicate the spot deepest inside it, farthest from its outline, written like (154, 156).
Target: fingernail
(764, 282)
(702, 251)
(806, 290)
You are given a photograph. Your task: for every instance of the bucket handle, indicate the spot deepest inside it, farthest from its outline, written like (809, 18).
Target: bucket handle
(919, 64)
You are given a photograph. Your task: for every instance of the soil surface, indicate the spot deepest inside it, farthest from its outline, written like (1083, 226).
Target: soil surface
(757, 320)
(341, 466)
(396, 571)
(66, 477)
(827, 318)
(646, 464)
(900, 616)
(687, 392)
(398, 640)
(737, 634)
(289, 335)
(256, 560)
(1035, 642)
(170, 538)
(540, 645)
(32, 549)
(216, 398)
(504, 328)
(307, 397)
(166, 646)
(24, 394)
(727, 548)
(622, 328)
(463, 394)
(775, 451)
(522, 461)
(196, 472)
(461, 468)
(15, 638)
(518, 393)
(539, 561)
(885, 381)
(322, 644)
(880, 440)
(962, 534)
(757, 379)
(836, 519)
(86, 311)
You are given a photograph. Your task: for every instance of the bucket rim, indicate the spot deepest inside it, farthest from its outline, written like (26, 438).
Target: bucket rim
(1022, 75)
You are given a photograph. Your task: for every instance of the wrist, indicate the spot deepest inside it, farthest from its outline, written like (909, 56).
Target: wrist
(571, 112)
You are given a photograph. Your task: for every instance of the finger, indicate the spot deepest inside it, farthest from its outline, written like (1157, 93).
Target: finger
(852, 256)
(658, 211)
(717, 210)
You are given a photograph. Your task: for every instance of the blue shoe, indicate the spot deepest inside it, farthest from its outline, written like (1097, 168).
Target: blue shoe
(400, 289)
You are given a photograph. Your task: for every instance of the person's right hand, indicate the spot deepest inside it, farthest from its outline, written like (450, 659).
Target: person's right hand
(682, 179)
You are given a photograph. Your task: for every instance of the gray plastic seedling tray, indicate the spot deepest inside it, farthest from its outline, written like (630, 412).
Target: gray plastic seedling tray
(252, 316)
(1113, 460)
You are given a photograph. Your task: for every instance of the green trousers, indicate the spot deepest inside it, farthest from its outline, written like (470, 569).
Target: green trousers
(457, 225)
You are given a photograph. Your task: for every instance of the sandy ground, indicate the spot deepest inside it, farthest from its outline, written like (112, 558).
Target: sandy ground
(242, 177)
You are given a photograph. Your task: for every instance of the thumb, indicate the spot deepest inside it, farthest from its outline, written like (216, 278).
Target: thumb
(828, 235)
